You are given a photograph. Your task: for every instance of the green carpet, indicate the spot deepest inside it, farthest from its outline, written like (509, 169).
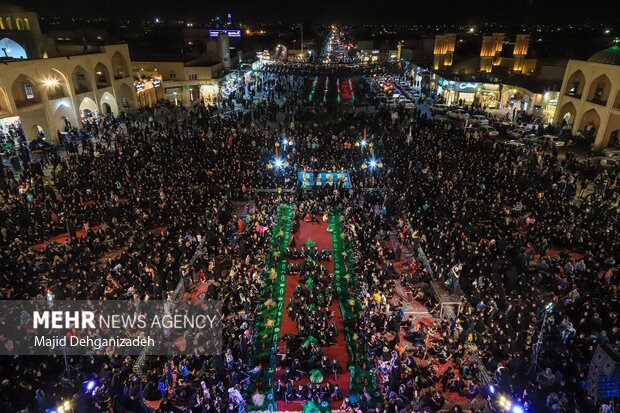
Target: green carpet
(269, 318)
(362, 369)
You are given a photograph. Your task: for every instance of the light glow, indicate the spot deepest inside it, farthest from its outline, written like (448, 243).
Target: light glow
(51, 82)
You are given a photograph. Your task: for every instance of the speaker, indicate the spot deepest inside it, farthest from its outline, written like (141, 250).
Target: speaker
(604, 372)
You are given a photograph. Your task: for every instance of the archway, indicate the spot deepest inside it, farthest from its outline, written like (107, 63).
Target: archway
(12, 49)
(64, 117)
(88, 108)
(599, 90)
(120, 67)
(25, 92)
(617, 100)
(37, 130)
(614, 139)
(108, 104)
(611, 137)
(590, 122)
(576, 83)
(5, 106)
(102, 76)
(81, 80)
(566, 116)
(55, 85)
(125, 97)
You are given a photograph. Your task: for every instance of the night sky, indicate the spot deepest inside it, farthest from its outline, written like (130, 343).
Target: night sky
(339, 11)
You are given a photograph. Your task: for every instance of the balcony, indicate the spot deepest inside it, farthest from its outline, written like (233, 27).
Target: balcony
(82, 89)
(24, 103)
(598, 101)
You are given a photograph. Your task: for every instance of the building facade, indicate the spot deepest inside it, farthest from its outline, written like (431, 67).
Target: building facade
(45, 87)
(589, 100)
(177, 81)
(48, 94)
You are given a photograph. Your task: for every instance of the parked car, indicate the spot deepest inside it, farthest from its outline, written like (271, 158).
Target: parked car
(478, 120)
(543, 140)
(457, 114)
(612, 152)
(552, 140)
(439, 108)
(488, 131)
(604, 162)
(513, 143)
(518, 133)
(530, 139)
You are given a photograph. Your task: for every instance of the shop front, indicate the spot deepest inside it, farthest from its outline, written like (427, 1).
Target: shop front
(10, 125)
(545, 105)
(447, 90)
(517, 98)
(466, 93)
(209, 92)
(147, 91)
(489, 95)
(174, 94)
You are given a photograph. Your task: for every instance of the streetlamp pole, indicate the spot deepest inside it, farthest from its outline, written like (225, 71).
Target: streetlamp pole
(301, 28)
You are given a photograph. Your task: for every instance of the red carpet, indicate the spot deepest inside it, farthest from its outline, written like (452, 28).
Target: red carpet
(63, 238)
(317, 232)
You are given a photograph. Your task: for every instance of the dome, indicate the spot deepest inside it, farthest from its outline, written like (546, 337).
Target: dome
(609, 56)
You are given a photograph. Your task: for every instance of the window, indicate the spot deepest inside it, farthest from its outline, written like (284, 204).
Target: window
(573, 89)
(173, 75)
(193, 76)
(28, 90)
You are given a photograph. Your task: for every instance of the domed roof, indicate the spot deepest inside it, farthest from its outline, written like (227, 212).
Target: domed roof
(609, 56)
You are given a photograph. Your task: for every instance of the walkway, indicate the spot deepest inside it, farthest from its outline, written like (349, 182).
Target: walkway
(317, 232)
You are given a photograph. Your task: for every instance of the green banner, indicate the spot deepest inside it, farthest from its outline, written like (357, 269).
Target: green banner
(348, 290)
(269, 318)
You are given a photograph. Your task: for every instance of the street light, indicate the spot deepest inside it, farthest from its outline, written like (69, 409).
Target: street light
(278, 163)
(364, 143)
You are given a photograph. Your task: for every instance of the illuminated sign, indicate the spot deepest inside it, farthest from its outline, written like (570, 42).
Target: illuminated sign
(490, 86)
(149, 84)
(230, 33)
(467, 85)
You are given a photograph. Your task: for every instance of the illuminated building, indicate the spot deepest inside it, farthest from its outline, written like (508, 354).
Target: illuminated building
(590, 96)
(45, 87)
(443, 52)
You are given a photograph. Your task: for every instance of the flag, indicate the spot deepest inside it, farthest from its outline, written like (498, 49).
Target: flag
(364, 132)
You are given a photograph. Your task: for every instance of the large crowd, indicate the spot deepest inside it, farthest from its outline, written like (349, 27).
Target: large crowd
(150, 209)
